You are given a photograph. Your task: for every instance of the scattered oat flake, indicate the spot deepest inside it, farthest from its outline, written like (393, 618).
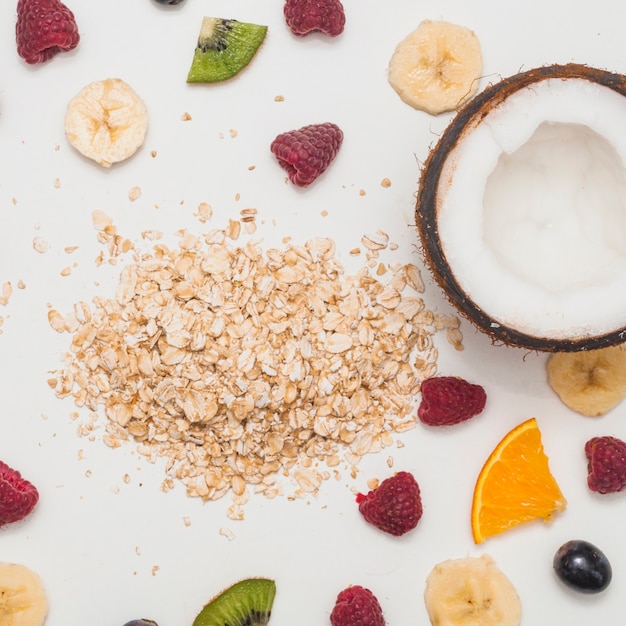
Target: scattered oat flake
(57, 183)
(233, 133)
(155, 569)
(187, 521)
(361, 192)
(66, 271)
(134, 193)
(56, 321)
(153, 153)
(101, 221)
(186, 117)
(385, 182)
(7, 292)
(279, 98)
(228, 533)
(40, 245)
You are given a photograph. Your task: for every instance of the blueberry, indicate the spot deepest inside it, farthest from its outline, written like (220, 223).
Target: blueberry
(141, 622)
(168, 2)
(582, 566)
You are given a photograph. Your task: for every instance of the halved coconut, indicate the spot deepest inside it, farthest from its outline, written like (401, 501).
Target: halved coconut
(521, 209)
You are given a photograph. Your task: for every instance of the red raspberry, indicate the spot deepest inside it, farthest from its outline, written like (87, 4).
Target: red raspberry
(44, 28)
(357, 606)
(606, 464)
(395, 506)
(448, 400)
(307, 152)
(305, 16)
(18, 497)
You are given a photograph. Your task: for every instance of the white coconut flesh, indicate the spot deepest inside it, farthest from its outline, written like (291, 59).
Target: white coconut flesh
(531, 210)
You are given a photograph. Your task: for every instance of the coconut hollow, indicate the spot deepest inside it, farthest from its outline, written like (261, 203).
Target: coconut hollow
(552, 299)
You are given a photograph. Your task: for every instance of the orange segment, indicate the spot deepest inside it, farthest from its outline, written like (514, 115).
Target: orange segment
(515, 484)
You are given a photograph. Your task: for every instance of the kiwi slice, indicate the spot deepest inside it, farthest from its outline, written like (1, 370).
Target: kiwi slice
(246, 603)
(224, 48)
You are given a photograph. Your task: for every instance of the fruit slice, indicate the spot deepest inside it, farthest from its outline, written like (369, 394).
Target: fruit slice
(106, 121)
(23, 599)
(591, 382)
(515, 485)
(471, 590)
(436, 68)
(247, 602)
(224, 48)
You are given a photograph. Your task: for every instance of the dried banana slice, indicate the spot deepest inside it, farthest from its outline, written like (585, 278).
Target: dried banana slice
(437, 67)
(471, 590)
(106, 121)
(590, 382)
(23, 599)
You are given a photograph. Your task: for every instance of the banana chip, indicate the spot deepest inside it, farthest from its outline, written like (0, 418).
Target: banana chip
(23, 599)
(590, 382)
(436, 68)
(106, 121)
(471, 590)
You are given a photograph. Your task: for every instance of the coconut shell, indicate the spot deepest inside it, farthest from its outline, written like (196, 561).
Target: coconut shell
(426, 218)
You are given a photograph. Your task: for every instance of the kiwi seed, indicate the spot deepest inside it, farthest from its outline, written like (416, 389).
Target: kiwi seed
(224, 48)
(246, 603)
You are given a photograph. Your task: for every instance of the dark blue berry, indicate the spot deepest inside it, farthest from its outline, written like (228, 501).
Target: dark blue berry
(582, 566)
(168, 1)
(141, 622)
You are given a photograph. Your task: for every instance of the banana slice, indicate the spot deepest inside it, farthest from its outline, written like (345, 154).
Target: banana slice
(590, 382)
(23, 599)
(471, 590)
(106, 121)
(437, 67)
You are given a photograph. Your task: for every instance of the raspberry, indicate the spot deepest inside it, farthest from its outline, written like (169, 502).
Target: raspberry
(44, 28)
(18, 497)
(606, 464)
(357, 606)
(307, 152)
(305, 16)
(448, 400)
(395, 506)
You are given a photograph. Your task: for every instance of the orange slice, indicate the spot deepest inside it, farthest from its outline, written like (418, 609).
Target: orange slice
(515, 485)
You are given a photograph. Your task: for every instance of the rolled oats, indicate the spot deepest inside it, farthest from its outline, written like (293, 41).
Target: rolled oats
(240, 367)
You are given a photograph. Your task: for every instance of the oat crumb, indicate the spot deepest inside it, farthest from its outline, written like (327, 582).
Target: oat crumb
(186, 117)
(57, 183)
(385, 182)
(228, 533)
(279, 98)
(134, 193)
(7, 292)
(40, 245)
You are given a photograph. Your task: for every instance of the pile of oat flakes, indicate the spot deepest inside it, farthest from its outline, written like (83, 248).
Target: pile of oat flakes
(242, 366)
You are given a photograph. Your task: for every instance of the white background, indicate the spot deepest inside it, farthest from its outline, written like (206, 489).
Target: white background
(94, 539)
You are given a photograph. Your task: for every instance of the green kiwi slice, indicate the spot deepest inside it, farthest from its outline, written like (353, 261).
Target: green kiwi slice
(246, 603)
(224, 48)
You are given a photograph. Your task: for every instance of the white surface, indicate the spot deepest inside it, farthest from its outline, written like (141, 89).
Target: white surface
(96, 549)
